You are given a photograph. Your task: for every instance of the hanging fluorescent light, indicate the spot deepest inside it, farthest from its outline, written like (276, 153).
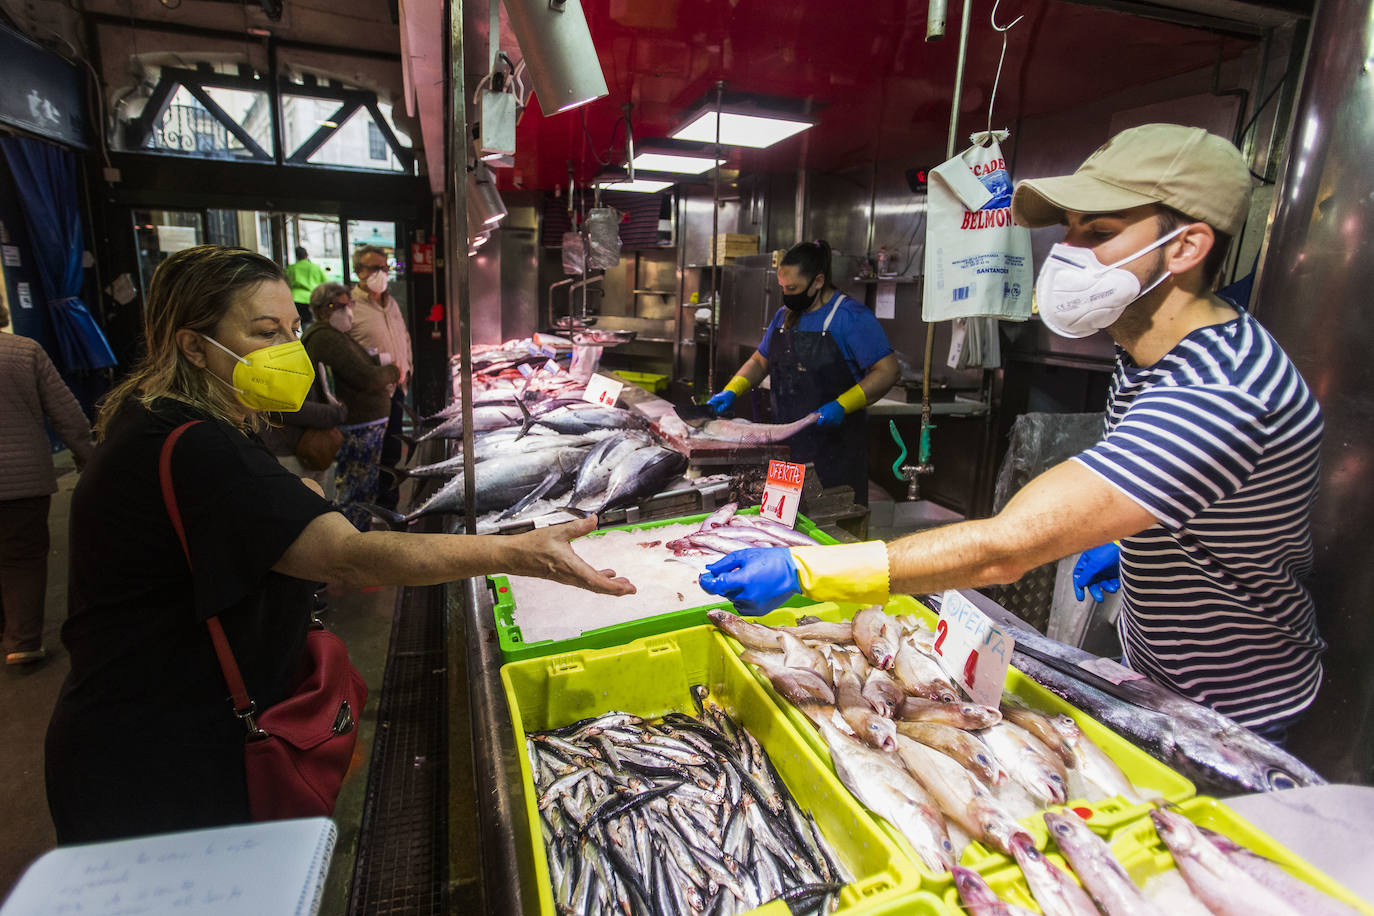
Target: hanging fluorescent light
(638, 186)
(675, 163)
(558, 51)
(485, 207)
(739, 129)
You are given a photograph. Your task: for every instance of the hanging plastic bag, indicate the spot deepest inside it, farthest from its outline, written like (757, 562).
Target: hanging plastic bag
(603, 238)
(977, 262)
(574, 254)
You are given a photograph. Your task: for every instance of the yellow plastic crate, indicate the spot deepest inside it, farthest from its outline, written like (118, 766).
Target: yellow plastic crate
(651, 677)
(651, 382)
(1145, 856)
(1104, 815)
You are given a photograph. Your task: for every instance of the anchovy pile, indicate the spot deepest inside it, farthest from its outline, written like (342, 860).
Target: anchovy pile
(683, 816)
(910, 746)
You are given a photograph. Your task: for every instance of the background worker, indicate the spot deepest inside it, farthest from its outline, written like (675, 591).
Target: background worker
(303, 276)
(30, 392)
(824, 353)
(1207, 470)
(381, 330)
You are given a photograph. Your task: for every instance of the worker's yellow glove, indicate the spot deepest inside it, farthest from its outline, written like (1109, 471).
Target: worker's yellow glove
(855, 573)
(738, 385)
(853, 399)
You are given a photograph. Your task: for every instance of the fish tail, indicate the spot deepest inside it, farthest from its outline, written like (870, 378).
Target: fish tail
(527, 419)
(396, 520)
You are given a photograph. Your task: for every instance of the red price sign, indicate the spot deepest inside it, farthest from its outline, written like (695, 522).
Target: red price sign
(782, 492)
(602, 390)
(972, 649)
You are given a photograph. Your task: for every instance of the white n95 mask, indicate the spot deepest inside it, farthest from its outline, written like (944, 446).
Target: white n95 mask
(1078, 295)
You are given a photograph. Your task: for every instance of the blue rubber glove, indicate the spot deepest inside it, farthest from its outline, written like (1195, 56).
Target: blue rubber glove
(721, 403)
(1099, 571)
(756, 580)
(832, 414)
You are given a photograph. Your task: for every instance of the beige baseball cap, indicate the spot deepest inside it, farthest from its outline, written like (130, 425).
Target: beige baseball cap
(1198, 174)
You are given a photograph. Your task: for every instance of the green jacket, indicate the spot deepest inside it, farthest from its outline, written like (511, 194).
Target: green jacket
(304, 276)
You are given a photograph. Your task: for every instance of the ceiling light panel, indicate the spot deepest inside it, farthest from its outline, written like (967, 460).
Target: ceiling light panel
(638, 186)
(756, 131)
(674, 163)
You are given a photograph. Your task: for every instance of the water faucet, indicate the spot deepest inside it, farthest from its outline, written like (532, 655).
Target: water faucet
(911, 473)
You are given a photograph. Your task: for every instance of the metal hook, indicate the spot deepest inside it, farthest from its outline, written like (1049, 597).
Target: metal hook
(1004, 29)
(1009, 26)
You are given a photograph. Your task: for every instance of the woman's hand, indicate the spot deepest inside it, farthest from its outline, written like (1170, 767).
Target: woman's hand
(548, 554)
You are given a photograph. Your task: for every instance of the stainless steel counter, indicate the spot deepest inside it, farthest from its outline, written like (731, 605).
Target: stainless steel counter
(503, 839)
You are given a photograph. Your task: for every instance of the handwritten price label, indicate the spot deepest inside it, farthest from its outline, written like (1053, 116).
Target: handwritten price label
(602, 390)
(782, 492)
(972, 649)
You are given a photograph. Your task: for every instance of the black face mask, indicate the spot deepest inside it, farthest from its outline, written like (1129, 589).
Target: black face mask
(800, 302)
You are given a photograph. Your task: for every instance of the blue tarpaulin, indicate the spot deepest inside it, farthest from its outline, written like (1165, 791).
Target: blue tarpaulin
(45, 176)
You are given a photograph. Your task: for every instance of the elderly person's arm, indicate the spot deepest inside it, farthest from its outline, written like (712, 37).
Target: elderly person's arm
(330, 549)
(62, 409)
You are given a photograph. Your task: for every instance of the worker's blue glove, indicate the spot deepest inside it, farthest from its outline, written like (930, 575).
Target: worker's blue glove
(1099, 571)
(831, 414)
(756, 580)
(721, 402)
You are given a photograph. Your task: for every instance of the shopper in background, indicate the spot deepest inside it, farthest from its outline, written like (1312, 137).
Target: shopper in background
(320, 410)
(379, 326)
(1208, 466)
(30, 390)
(823, 353)
(142, 739)
(365, 388)
(304, 276)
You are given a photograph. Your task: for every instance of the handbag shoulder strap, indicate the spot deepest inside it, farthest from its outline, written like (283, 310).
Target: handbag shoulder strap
(244, 707)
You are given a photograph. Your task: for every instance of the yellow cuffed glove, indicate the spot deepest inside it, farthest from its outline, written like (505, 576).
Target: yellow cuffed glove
(853, 399)
(845, 572)
(738, 385)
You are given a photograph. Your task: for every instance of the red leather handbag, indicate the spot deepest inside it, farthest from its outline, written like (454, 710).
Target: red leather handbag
(297, 751)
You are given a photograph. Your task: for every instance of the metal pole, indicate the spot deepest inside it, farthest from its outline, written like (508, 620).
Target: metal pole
(715, 247)
(923, 450)
(456, 261)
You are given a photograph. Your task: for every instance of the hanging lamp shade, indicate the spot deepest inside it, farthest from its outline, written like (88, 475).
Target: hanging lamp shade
(558, 52)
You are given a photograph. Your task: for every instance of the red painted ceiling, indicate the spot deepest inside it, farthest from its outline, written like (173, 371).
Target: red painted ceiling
(877, 87)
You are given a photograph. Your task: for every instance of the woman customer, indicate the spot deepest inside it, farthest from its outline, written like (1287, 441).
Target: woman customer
(364, 386)
(142, 739)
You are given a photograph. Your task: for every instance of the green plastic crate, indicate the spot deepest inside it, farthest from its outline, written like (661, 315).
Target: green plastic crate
(1145, 856)
(1104, 815)
(514, 648)
(653, 676)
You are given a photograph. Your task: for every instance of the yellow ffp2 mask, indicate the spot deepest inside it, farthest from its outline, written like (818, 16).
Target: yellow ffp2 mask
(272, 378)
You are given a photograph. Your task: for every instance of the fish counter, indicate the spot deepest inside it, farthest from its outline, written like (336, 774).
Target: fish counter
(818, 760)
(543, 452)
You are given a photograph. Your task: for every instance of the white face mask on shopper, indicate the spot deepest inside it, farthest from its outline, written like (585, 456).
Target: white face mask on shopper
(1078, 295)
(377, 281)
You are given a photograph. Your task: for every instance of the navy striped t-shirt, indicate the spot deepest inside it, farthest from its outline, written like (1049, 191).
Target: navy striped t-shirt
(1219, 441)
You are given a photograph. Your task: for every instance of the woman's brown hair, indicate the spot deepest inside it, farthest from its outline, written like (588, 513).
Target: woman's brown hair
(192, 289)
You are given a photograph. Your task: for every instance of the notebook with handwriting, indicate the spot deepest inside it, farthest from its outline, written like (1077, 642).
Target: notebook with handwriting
(267, 868)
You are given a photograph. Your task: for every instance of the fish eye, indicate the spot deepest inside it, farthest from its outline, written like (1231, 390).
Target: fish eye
(1278, 779)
